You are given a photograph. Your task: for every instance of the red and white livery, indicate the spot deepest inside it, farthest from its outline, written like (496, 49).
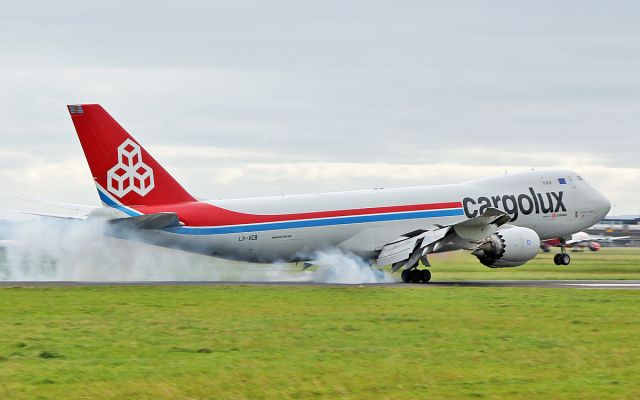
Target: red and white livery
(501, 219)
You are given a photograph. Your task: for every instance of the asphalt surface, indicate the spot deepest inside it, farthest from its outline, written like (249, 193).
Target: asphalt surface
(572, 284)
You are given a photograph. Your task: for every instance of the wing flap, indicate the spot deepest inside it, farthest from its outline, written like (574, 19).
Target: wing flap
(413, 246)
(402, 248)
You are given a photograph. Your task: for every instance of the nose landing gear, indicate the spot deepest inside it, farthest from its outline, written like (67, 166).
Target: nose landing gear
(563, 258)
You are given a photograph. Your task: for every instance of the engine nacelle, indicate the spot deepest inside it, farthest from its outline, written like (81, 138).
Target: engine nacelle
(508, 247)
(594, 246)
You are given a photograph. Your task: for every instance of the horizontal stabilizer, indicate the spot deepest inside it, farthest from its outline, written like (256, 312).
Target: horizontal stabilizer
(47, 215)
(149, 221)
(60, 204)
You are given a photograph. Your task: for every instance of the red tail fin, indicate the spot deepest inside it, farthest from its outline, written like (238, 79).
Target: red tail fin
(121, 167)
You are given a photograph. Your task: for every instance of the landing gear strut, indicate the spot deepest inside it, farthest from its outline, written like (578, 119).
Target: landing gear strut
(563, 258)
(415, 275)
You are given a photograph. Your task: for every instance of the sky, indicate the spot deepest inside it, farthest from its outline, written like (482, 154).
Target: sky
(256, 98)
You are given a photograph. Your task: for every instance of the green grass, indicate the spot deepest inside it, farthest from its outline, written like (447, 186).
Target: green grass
(256, 342)
(608, 263)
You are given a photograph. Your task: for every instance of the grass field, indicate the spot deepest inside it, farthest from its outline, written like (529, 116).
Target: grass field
(265, 342)
(608, 263)
(257, 342)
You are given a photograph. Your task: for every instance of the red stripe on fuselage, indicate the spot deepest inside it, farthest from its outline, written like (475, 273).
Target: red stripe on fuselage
(204, 214)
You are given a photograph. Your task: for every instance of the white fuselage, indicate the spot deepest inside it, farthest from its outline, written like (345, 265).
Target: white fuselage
(536, 200)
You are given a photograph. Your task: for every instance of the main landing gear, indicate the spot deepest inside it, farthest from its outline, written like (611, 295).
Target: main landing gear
(415, 275)
(410, 272)
(563, 258)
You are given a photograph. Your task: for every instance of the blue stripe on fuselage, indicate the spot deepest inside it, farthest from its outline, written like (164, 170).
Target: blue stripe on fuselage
(315, 222)
(358, 219)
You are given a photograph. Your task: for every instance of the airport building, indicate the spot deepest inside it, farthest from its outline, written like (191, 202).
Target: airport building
(616, 226)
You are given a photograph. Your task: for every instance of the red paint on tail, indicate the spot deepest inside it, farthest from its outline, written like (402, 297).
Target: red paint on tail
(119, 164)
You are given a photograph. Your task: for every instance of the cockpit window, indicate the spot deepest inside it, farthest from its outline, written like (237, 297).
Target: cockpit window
(579, 177)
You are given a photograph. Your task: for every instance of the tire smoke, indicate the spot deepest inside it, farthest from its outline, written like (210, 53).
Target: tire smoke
(51, 250)
(59, 250)
(336, 266)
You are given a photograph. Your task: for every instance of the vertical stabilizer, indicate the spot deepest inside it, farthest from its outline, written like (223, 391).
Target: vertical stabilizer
(122, 169)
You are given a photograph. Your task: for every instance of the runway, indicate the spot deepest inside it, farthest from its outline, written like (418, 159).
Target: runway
(557, 284)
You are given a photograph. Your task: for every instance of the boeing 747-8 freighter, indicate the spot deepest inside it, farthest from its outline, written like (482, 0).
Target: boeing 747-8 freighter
(500, 220)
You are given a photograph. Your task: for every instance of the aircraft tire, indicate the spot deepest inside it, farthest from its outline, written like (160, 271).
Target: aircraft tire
(426, 276)
(556, 259)
(405, 275)
(565, 259)
(414, 276)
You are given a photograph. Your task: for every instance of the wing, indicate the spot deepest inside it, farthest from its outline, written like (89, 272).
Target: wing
(413, 246)
(577, 241)
(594, 238)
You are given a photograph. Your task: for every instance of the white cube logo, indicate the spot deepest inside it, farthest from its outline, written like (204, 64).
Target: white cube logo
(130, 174)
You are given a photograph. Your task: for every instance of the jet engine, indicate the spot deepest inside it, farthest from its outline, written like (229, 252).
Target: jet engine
(508, 247)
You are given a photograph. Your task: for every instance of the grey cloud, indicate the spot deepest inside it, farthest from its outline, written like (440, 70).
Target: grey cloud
(408, 82)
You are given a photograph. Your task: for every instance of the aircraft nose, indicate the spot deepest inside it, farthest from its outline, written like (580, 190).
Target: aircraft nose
(603, 206)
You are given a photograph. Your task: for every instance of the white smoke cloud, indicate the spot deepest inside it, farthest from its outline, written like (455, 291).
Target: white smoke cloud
(78, 251)
(336, 266)
(51, 250)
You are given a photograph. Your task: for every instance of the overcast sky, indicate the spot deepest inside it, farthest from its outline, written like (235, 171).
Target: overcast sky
(252, 98)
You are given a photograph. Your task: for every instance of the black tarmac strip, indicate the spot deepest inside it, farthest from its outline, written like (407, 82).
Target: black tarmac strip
(573, 284)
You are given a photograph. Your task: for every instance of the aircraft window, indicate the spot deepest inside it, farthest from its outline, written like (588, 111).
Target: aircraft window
(579, 177)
